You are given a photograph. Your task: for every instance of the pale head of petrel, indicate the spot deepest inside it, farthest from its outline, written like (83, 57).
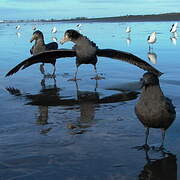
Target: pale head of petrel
(70, 35)
(36, 35)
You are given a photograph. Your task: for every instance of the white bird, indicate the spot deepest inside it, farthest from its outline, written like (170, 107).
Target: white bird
(34, 28)
(18, 27)
(174, 28)
(128, 29)
(54, 30)
(151, 39)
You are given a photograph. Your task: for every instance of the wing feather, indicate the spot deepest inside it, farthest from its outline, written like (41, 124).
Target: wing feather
(42, 58)
(128, 57)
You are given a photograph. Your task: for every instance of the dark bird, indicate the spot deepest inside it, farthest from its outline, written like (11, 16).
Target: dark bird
(40, 46)
(85, 49)
(86, 52)
(153, 109)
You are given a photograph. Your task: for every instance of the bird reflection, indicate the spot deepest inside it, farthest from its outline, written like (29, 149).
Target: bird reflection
(128, 41)
(55, 39)
(152, 57)
(164, 168)
(173, 40)
(86, 102)
(43, 99)
(18, 34)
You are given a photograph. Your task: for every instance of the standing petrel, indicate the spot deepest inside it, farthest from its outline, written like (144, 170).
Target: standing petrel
(40, 46)
(153, 109)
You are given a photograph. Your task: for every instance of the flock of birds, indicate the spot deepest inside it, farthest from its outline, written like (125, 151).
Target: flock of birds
(153, 109)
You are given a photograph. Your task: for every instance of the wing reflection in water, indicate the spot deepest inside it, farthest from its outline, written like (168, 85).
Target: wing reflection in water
(164, 168)
(85, 101)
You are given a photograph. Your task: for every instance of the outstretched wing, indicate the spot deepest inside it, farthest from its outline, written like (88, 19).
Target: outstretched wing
(42, 58)
(128, 57)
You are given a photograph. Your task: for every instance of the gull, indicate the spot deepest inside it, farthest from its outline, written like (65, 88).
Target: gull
(34, 28)
(151, 39)
(18, 27)
(128, 29)
(54, 30)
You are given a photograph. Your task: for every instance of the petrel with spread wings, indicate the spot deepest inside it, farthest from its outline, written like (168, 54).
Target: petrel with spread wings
(86, 52)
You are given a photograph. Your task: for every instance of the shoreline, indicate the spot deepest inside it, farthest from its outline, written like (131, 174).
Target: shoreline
(127, 18)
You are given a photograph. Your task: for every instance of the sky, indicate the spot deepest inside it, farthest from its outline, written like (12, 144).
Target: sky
(65, 9)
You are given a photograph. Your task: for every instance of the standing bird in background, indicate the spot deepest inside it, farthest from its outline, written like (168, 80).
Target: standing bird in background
(85, 50)
(128, 30)
(153, 109)
(18, 27)
(151, 39)
(174, 28)
(54, 30)
(33, 28)
(40, 46)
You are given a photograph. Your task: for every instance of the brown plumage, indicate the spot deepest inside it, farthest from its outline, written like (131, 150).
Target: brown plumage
(40, 46)
(153, 109)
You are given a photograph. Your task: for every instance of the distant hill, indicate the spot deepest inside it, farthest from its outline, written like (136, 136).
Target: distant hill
(127, 18)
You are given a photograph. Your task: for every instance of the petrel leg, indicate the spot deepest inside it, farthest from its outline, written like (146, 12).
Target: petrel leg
(54, 70)
(145, 146)
(75, 76)
(97, 77)
(163, 137)
(41, 67)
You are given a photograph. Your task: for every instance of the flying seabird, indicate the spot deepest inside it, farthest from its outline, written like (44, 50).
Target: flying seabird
(87, 54)
(153, 109)
(40, 46)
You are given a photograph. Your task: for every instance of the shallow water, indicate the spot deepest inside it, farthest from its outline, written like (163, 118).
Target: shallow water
(57, 129)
